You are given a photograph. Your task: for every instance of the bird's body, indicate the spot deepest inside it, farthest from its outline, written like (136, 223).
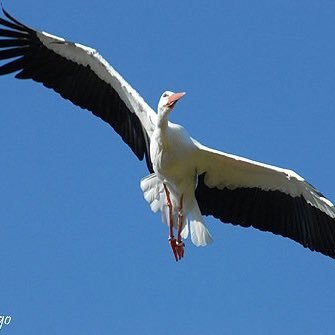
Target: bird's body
(174, 153)
(174, 159)
(187, 180)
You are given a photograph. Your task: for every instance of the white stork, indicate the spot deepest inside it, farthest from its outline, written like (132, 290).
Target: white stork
(187, 179)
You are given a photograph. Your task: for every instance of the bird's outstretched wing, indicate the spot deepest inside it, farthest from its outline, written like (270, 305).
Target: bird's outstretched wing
(247, 193)
(81, 75)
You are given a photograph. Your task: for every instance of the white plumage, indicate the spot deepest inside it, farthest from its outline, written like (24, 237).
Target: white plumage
(187, 180)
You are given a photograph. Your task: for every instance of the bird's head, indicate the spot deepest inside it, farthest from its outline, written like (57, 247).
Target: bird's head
(168, 101)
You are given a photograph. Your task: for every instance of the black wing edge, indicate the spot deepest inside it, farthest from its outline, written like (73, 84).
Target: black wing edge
(25, 54)
(271, 211)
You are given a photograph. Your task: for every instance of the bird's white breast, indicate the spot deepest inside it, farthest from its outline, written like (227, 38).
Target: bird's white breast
(172, 153)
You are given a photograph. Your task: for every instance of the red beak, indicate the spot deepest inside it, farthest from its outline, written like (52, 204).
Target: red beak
(174, 98)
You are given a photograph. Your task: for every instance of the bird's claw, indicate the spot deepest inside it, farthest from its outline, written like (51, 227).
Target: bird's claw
(177, 248)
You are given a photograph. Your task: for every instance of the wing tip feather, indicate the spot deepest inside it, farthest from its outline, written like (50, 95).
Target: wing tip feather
(13, 19)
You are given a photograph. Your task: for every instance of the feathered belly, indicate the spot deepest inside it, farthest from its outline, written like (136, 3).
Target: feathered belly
(175, 167)
(173, 156)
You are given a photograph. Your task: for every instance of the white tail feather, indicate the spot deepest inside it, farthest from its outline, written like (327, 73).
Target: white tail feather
(199, 233)
(153, 191)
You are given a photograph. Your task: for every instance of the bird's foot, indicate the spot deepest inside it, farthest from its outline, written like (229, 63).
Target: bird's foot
(177, 248)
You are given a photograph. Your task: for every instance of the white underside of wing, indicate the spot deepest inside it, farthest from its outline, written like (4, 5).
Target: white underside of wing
(229, 171)
(86, 56)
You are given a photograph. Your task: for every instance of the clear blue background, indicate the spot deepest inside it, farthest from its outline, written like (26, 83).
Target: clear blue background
(80, 250)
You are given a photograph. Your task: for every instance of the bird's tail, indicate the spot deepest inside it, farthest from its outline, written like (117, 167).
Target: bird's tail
(200, 235)
(153, 191)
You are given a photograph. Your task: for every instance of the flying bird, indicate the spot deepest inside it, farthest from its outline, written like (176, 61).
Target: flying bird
(187, 180)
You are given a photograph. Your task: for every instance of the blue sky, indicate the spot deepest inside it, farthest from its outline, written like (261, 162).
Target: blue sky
(81, 252)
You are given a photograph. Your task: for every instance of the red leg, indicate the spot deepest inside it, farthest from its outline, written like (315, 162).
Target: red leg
(180, 243)
(169, 204)
(172, 240)
(180, 218)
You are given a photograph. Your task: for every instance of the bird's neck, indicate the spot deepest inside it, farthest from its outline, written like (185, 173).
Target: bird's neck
(162, 120)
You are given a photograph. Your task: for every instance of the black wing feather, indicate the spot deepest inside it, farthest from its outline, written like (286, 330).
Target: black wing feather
(271, 211)
(13, 34)
(11, 25)
(73, 81)
(12, 53)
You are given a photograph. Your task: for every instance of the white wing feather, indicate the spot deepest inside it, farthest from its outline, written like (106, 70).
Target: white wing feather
(90, 57)
(229, 171)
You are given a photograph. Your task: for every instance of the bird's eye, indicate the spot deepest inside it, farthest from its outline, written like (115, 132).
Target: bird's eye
(165, 95)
